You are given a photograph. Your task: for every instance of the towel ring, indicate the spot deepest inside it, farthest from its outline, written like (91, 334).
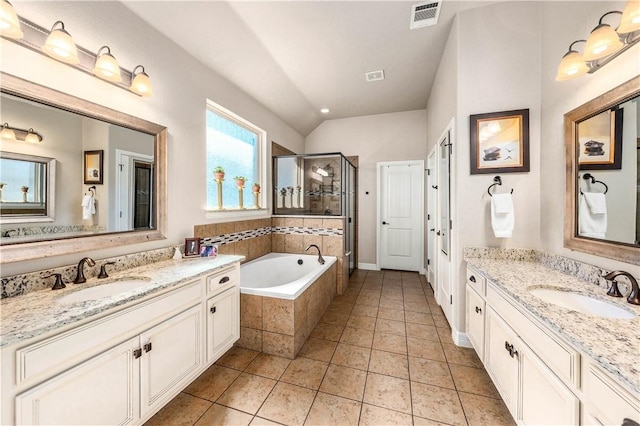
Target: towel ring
(92, 189)
(496, 181)
(589, 176)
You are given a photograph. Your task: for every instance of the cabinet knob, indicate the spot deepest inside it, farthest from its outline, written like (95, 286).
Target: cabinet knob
(137, 353)
(472, 278)
(147, 347)
(478, 310)
(224, 280)
(213, 310)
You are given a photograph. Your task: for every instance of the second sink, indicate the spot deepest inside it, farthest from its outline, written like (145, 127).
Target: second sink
(581, 303)
(104, 290)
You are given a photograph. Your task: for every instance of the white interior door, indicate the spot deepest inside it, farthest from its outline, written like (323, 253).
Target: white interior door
(444, 292)
(432, 211)
(400, 215)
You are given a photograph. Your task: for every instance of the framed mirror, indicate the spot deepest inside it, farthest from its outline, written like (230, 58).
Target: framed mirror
(110, 169)
(602, 141)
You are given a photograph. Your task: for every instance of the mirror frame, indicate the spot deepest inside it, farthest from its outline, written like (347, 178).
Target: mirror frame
(16, 86)
(619, 251)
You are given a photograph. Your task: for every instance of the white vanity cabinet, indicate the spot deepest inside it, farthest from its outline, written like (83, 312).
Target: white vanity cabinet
(223, 313)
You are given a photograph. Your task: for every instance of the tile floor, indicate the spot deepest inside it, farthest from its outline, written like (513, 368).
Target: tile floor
(381, 355)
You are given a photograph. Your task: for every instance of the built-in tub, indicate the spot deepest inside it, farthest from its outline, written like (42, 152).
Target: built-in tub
(281, 300)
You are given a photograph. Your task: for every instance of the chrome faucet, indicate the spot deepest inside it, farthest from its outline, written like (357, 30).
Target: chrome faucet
(80, 274)
(634, 294)
(320, 258)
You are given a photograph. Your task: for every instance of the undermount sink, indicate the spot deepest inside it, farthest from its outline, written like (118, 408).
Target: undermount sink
(581, 303)
(104, 290)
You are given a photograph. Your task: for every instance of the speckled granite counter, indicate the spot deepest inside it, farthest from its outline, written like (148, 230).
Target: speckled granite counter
(36, 313)
(613, 344)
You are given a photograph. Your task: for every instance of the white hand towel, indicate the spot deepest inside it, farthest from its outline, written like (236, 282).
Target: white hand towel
(596, 201)
(590, 223)
(88, 207)
(502, 215)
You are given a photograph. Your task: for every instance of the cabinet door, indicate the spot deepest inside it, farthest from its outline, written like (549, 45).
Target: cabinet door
(544, 398)
(223, 322)
(475, 321)
(101, 391)
(171, 356)
(501, 358)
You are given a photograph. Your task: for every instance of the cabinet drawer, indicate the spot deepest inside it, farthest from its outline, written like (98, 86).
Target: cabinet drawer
(606, 401)
(560, 357)
(476, 281)
(57, 353)
(223, 280)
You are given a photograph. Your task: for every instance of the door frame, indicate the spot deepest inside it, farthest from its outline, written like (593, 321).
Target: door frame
(432, 209)
(129, 157)
(379, 166)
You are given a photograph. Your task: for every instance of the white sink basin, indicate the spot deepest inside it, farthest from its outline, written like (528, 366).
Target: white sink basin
(581, 303)
(104, 290)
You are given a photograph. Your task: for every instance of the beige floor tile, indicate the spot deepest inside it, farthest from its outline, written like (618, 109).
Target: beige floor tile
(419, 318)
(237, 358)
(391, 326)
(436, 403)
(425, 349)
(288, 404)
(318, 349)
(388, 392)
(422, 307)
(461, 356)
(376, 416)
(351, 356)
(394, 293)
(365, 310)
(305, 372)
(385, 302)
(259, 421)
(218, 415)
(430, 372)
(421, 331)
(361, 322)
(481, 411)
(370, 292)
(391, 314)
(344, 381)
(445, 335)
(368, 300)
(333, 317)
(183, 410)
(327, 332)
(357, 337)
(390, 342)
(247, 393)
(440, 321)
(473, 380)
(390, 364)
(333, 410)
(213, 382)
(419, 421)
(270, 366)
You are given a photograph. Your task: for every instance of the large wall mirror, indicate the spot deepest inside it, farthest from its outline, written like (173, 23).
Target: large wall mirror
(94, 177)
(602, 140)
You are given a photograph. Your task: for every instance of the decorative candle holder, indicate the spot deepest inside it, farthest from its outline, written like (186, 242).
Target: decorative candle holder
(25, 190)
(256, 195)
(283, 193)
(240, 181)
(218, 175)
(2, 185)
(299, 192)
(290, 188)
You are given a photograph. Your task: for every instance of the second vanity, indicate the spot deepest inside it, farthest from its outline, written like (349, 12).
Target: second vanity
(116, 359)
(551, 364)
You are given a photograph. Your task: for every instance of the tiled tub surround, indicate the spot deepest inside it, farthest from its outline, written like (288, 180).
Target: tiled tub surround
(248, 238)
(280, 326)
(37, 313)
(612, 344)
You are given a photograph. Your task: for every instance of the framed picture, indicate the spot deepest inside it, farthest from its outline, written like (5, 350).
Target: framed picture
(93, 162)
(191, 246)
(600, 141)
(209, 251)
(500, 142)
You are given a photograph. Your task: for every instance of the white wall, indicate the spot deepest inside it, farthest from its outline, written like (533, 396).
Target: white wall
(373, 138)
(181, 86)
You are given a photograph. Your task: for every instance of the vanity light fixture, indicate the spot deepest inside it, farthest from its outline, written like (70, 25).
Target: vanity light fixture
(106, 66)
(9, 23)
(140, 82)
(603, 44)
(60, 45)
(14, 134)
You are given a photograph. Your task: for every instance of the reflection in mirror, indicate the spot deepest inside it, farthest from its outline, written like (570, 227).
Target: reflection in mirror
(119, 199)
(602, 139)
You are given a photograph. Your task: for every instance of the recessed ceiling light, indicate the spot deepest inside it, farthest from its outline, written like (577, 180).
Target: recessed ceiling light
(325, 110)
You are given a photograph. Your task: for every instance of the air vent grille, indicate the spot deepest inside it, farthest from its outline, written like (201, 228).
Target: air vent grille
(424, 14)
(374, 75)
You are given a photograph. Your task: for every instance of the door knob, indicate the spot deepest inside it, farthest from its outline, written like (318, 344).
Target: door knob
(385, 223)
(438, 233)
(432, 230)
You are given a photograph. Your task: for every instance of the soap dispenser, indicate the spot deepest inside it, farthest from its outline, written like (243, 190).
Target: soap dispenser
(177, 255)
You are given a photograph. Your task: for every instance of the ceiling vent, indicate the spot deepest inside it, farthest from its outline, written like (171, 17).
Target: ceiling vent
(424, 14)
(374, 75)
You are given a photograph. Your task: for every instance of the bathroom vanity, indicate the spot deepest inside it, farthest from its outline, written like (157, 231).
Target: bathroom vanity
(68, 358)
(552, 364)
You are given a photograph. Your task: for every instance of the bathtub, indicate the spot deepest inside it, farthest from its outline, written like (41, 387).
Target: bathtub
(281, 275)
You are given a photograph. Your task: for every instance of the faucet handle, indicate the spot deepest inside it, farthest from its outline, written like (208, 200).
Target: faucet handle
(613, 290)
(103, 270)
(59, 283)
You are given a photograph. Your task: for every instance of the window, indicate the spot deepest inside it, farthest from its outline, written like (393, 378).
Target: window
(239, 148)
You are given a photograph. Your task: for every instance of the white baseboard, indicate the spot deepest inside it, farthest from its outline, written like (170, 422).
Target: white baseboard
(368, 266)
(423, 272)
(461, 339)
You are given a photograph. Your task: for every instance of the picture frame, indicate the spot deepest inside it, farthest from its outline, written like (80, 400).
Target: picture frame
(600, 141)
(209, 251)
(191, 247)
(93, 167)
(499, 142)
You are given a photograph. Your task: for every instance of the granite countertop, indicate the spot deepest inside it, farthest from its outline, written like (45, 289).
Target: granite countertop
(613, 344)
(36, 313)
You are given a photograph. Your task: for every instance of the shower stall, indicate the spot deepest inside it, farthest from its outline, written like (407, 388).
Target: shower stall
(317, 185)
